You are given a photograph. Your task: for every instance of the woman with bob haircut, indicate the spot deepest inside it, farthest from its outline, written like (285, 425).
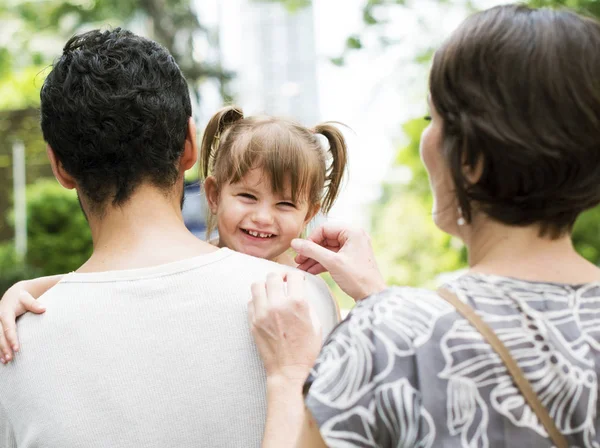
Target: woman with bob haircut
(508, 354)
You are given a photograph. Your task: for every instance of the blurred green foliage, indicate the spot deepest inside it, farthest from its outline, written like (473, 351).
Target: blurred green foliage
(590, 7)
(290, 5)
(35, 31)
(11, 269)
(19, 125)
(59, 238)
(410, 249)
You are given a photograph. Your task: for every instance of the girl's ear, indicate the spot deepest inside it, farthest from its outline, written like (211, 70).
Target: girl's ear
(211, 191)
(312, 212)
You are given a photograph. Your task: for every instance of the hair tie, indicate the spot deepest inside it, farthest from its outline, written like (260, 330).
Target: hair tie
(216, 140)
(323, 142)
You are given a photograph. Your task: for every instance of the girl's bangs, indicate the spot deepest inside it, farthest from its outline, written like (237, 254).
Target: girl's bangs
(292, 168)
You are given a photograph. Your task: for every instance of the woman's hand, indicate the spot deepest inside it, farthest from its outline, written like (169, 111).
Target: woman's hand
(348, 256)
(15, 302)
(285, 329)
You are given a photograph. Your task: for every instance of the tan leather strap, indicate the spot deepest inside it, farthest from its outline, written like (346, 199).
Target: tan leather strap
(515, 371)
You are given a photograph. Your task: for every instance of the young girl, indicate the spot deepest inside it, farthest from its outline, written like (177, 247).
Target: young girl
(265, 178)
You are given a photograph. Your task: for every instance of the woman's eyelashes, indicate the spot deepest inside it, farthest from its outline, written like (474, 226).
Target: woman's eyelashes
(427, 117)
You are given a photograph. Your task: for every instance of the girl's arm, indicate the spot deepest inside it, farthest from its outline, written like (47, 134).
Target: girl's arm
(17, 300)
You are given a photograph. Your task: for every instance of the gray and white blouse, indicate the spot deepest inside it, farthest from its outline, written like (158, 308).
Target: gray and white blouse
(406, 370)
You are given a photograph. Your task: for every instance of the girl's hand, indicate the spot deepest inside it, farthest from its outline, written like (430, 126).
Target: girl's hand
(348, 256)
(286, 331)
(15, 302)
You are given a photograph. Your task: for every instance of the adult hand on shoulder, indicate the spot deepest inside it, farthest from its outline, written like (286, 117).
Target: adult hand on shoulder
(348, 256)
(287, 335)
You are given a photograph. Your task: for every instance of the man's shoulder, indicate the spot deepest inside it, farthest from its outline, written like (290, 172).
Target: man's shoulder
(255, 264)
(260, 266)
(317, 292)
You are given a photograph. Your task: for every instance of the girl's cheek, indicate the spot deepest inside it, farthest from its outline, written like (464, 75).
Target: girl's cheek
(296, 223)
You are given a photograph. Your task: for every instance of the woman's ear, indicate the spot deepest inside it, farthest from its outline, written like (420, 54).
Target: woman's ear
(211, 190)
(473, 174)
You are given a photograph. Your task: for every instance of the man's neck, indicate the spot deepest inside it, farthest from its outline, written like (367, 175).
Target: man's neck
(147, 231)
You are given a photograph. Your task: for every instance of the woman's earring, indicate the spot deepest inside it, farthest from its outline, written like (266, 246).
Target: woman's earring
(461, 220)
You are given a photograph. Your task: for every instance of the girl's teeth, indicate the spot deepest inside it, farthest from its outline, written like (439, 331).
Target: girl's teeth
(258, 234)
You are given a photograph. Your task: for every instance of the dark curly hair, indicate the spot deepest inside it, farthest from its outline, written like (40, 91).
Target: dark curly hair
(114, 109)
(519, 93)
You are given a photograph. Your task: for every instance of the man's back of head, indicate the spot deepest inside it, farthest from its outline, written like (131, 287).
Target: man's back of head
(115, 111)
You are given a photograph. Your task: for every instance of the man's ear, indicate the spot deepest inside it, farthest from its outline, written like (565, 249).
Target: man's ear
(63, 178)
(190, 149)
(211, 191)
(312, 212)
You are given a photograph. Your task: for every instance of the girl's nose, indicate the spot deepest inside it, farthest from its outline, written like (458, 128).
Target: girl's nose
(263, 216)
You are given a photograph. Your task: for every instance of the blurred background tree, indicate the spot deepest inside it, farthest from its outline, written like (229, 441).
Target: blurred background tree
(410, 249)
(37, 28)
(59, 239)
(32, 31)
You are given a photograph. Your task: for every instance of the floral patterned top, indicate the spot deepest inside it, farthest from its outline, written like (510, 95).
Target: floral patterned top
(406, 370)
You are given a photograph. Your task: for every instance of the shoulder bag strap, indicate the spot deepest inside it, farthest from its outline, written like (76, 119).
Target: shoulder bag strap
(515, 371)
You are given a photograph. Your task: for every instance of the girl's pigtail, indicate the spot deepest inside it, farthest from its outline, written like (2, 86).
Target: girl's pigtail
(338, 166)
(213, 133)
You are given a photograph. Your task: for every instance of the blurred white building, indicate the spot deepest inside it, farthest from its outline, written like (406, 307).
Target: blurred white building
(272, 53)
(278, 73)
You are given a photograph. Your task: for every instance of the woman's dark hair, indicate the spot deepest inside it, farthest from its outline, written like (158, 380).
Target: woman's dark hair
(518, 90)
(115, 111)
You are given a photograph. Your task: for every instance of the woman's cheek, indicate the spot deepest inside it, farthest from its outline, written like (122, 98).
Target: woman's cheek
(427, 150)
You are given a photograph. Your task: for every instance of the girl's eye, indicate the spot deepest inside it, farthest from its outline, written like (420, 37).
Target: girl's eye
(247, 196)
(288, 204)
(427, 117)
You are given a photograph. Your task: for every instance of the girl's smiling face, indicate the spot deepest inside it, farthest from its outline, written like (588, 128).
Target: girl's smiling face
(255, 220)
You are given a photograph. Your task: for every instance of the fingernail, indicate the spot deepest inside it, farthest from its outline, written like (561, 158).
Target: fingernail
(15, 348)
(8, 357)
(2, 361)
(297, 244)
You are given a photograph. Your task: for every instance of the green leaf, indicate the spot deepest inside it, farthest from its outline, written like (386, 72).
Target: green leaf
(368, 17)
(425, 56)
(339, 61)
(354, 42)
